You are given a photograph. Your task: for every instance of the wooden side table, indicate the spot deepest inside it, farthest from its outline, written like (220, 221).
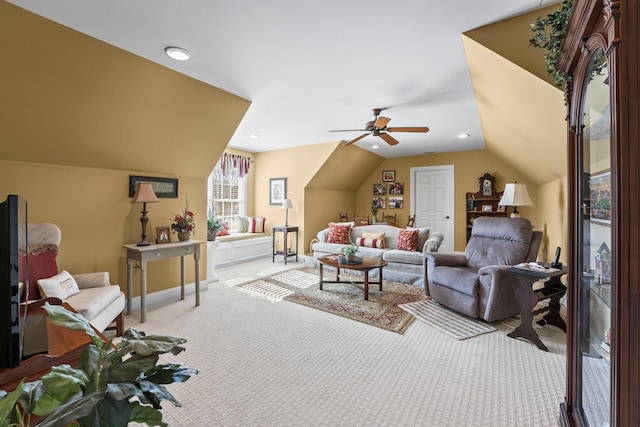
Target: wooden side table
(286, 253)
(553, 290)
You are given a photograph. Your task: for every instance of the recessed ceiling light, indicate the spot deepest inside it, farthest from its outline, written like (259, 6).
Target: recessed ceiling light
(375, 146)
(463, 135)
(254, 136)
(177, 53)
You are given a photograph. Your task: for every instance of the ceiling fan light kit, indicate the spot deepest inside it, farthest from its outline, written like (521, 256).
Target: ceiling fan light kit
(378, 127)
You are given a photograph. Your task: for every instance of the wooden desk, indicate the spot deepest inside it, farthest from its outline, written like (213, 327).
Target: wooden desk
(286, 253)
(153, 252)
(553, 290)
(65, 346)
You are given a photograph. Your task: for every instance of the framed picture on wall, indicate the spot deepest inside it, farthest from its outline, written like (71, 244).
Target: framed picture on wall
(388, 176)
(380, 202)
(379, 189)
(277, 190)
(397, 188)
(396, 202)
(163, 187)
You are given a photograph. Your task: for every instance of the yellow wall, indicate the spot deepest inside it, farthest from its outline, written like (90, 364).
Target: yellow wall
(76, 122)
(552, 210)
(78, 116)
(298, 165)
(469, 167)
(93, 209)
(318, 202)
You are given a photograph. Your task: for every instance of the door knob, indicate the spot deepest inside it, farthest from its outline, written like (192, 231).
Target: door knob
(446, 217)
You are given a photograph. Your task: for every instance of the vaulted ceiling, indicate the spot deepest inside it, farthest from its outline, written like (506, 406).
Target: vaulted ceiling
(305, 70)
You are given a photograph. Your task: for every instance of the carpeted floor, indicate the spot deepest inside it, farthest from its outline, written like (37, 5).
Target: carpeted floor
(265, 364)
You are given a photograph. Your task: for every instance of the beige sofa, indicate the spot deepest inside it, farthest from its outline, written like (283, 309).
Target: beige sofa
(403, 266)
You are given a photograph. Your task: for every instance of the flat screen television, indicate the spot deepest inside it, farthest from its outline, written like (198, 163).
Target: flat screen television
(13, 230)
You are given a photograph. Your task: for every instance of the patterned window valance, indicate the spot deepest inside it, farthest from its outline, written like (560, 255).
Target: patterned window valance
(229, 161)
(232, 166)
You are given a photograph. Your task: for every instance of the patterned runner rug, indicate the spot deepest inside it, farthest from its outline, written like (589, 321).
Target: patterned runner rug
(448, 321)
(343, 299)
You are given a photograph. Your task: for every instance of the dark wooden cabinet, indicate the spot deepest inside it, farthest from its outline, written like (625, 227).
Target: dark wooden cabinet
(600, 53)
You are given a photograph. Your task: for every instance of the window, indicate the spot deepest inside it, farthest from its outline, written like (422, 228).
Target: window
(228, 190)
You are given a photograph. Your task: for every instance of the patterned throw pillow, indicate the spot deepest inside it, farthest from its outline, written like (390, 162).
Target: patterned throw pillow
(408, 240)
(256, 224)
(370, 243)
(339, 233)
(371, 240)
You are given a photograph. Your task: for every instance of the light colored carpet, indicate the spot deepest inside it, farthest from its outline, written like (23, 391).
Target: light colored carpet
(343, 299)
(266, 364)
(445, 320)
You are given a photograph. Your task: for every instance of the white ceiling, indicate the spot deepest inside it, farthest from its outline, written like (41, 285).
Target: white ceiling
(310, 67)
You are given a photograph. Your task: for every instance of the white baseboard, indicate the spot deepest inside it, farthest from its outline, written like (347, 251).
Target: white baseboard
(170, 294)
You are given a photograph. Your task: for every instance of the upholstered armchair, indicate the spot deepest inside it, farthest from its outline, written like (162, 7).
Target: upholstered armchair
(90, 294)
(476, 283)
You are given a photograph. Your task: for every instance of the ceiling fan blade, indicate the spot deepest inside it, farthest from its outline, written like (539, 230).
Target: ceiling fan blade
(408, 129)
(356, 139)
(388, 138)
(381, 122)
(349, 130)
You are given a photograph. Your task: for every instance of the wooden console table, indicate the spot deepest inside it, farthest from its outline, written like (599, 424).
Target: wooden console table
(527, 297)
(153, 252)
(286, 253)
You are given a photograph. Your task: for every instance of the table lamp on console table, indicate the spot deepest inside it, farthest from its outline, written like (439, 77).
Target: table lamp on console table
(144, 194)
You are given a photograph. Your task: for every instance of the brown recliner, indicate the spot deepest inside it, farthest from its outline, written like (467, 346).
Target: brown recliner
(476, 283)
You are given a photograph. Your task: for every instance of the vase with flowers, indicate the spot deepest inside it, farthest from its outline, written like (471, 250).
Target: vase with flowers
(184, 223)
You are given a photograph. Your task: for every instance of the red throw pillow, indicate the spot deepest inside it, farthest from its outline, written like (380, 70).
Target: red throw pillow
(42, 264)
(339, 233)
(408, 240)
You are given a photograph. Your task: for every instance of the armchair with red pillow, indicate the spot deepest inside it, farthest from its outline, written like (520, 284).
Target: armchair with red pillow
(90, 294)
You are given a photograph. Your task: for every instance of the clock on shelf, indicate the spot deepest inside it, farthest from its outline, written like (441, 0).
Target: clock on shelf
(487, 185)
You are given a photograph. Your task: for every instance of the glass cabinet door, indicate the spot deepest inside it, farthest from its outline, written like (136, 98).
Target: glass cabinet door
(595, 281)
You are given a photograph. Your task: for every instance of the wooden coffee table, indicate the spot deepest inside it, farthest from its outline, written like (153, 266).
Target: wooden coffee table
(365, 266)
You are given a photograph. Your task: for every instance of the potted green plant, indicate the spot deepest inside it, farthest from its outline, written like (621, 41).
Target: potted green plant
(213, 226)
(350, 251)
(550, 31)
(112, 385)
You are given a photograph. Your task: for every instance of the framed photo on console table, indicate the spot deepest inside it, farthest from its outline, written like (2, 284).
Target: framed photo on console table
(163, 235)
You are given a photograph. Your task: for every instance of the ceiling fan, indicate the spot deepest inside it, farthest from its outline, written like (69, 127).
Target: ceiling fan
(378, 127)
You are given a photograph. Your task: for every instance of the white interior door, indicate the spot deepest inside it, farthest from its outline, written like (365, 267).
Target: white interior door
(432, 189)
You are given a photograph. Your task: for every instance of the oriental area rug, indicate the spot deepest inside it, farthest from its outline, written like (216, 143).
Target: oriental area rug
(301, 285)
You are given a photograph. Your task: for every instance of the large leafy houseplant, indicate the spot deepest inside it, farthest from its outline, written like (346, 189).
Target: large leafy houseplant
(550, 31)
(112, 385)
